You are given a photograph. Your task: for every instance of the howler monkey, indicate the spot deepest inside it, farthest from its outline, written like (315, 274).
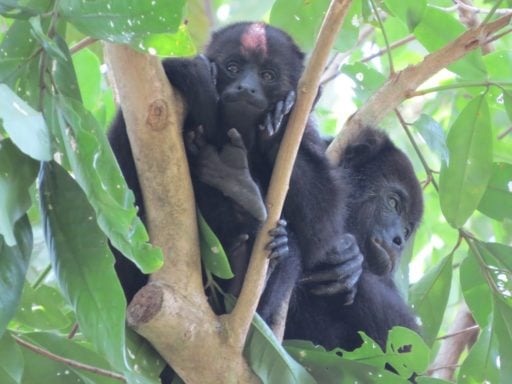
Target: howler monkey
(238, 99)
(384, 209)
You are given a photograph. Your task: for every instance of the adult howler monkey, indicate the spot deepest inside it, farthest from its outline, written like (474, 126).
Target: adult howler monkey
(384, 209)
(238, 99)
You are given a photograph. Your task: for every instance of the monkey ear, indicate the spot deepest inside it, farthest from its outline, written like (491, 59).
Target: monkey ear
(368, 144)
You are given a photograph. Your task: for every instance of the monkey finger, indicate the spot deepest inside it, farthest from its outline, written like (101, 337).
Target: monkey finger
(268, 125)
(199, 137)
(213, 73)
(289, 102)
(189, 143)
(278, 116)
(277, 242)
(235, 138)
(279, 253)
(329, 289)
(239, 241)
(350, 296)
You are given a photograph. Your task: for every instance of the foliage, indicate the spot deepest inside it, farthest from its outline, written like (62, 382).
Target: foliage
(55, 103)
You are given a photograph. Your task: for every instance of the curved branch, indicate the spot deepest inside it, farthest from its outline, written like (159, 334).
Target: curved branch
(242, 315)
(403, 83)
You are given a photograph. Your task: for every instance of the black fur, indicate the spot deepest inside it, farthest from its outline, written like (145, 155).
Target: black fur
(379, 173)
(253, 93)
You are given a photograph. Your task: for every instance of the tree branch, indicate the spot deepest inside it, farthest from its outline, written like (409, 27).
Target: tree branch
(172, 311)
(462, 332)
(242, 315)
(403, 83)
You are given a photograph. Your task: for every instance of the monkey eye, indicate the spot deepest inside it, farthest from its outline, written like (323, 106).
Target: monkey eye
(233, 68)
(268, 76)
(393, 203)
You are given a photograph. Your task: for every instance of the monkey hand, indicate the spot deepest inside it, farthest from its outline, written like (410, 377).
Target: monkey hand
(338, 272)
(227, 171)
(278, 245)
(274, 119)
(211, 66)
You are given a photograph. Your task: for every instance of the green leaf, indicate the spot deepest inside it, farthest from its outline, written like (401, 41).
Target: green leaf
(480, 366)
(476, 292)
(62, 346)
(87, 66)
(429, 298)
(176, 44)
(83, 262)
(507, 100)
(17, 46)
(331, 368)
(431, 380)
(368, 353)
(464, 180)
(13, 267)
(122, 21)
(434, 136)
(17, 173)
(50, 46)
(302, 20)
(212, 252)
(143, 358)
(497, 199)
(367, 80)
(269, 360)
(11, 360)
(436, 29)
(406, 351)
(503, 331)
(23, 9)
(97, 172)
(410, 12)
(42, 309)
(25, 126)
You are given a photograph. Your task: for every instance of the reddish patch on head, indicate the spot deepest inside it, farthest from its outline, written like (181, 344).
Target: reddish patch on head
(254, 39)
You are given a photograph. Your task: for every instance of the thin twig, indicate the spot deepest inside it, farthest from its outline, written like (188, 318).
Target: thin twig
(468, 329)
(82, 44)
(385, 35)
(73, 331)
(394, 45)
(64, 360)
(502, 135)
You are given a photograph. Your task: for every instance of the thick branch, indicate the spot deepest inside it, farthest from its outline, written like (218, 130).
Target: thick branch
(403, 83)
(451, 348)
(172, 311)
(243, 313)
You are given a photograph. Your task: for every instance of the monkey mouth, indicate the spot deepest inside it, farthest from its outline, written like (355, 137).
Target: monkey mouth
(381, 257)
(244, 101)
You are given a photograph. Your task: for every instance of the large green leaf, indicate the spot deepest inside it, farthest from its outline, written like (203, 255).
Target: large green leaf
(302, 20)
(17, 173)
(436, 29)
(13, 266)
(464, 180)
(497, 199)
(83, 262)
(97, 172)
(406, 352)
(25, 126)
(122, 21)
(476, 292)
(62, 346)
(330, 368)
(11, 360)
(429, 297)
(23, 8)
(481, 365)
(503, 330)
(269, 360)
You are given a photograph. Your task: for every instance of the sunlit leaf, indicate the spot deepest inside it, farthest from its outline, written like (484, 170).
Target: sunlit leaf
(13, 267)
(269, 360)
(497, 200)
(83, 262)
(26, 127)
(98, 174)
(464, 180)
(17, 173)
(23, 8)
(11, 360)
(50, 47)
(330, 368)
(366, 79)
(122, 21)
(476, 292)
(436, 29)
(429, 297)
(503, 330)
(406, 351)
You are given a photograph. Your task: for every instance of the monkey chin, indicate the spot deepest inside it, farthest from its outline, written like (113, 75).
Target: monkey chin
(380, 257)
